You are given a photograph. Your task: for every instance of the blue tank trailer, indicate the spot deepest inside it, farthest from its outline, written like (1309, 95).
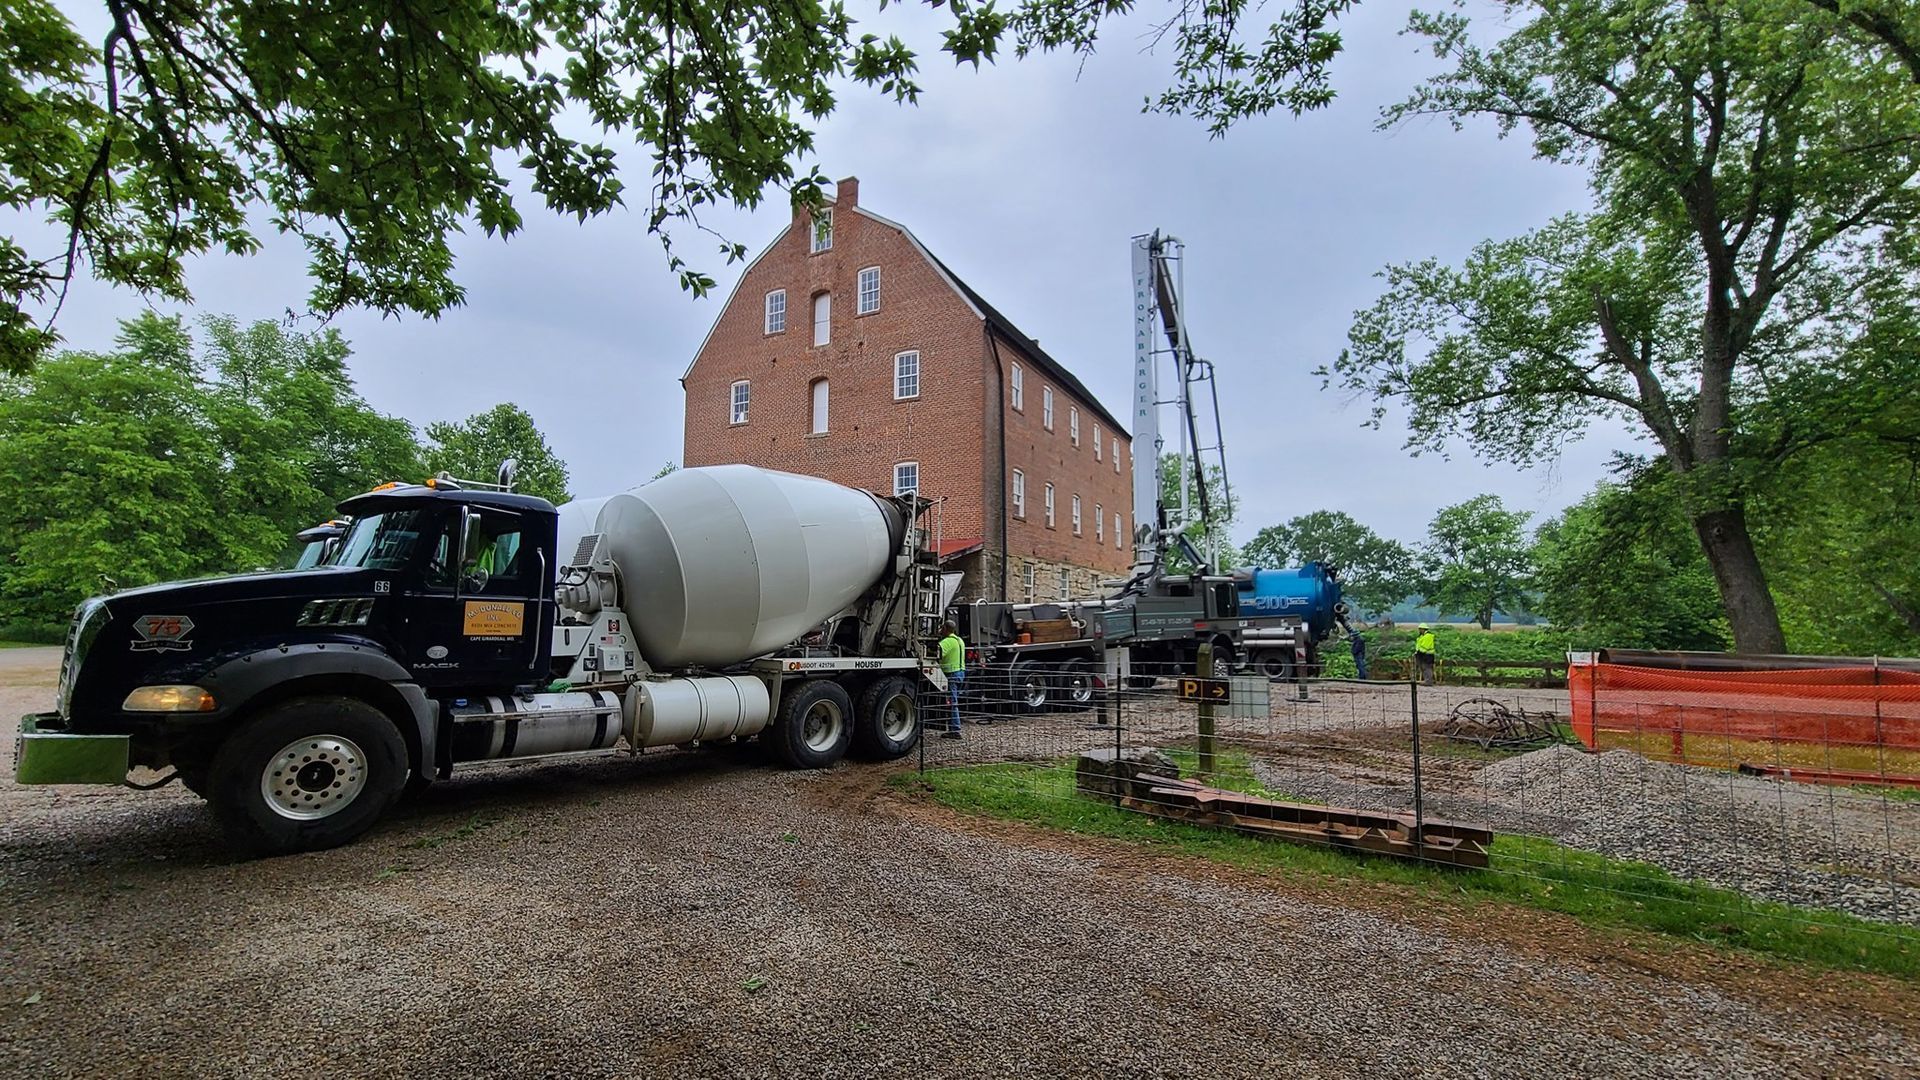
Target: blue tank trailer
(1285, 616)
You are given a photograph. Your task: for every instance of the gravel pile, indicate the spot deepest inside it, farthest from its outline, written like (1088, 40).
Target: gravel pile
(1804, 844)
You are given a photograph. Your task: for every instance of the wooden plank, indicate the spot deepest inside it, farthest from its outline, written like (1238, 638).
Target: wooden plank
(1437, 840)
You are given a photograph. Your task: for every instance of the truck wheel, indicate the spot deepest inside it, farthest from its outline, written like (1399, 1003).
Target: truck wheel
(815, 725)
(1076, 684)
(307, 774)
(887, 722)
(1032, 690)
(1274, 666)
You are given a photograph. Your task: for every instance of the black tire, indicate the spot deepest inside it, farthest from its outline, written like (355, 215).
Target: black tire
(1077, 687)
(1274, 665)
(275, 797)
(1030, 690)
(1142, 682)
(823, 704)
(887, 719)
(1224, 658)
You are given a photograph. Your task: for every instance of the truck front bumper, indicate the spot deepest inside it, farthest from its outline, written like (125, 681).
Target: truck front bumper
(45, 753)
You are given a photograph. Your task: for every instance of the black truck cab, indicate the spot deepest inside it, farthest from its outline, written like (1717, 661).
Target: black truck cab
(433, 590)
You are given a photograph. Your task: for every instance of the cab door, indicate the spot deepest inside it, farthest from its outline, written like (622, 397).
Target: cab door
(475, 613)
(499, 591)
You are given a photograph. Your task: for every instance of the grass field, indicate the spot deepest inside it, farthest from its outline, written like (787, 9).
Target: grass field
(1527, 871)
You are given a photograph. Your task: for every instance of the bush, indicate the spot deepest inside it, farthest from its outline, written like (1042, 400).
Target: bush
(33, 633)
(1453, 643)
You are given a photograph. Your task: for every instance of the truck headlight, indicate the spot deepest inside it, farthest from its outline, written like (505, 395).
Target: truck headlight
(168, 699)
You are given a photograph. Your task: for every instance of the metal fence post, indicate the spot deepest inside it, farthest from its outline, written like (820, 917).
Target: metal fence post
(1205, 746)
(1419, 804)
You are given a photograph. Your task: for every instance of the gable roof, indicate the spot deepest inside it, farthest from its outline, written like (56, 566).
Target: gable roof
(735, 291)
(1005, 328)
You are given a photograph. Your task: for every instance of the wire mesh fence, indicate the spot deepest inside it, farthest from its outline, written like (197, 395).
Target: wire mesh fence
(1401, 766)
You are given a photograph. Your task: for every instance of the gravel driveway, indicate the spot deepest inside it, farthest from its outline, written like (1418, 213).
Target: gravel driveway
(693, 915)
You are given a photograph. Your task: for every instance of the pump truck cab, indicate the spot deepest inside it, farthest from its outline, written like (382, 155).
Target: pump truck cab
(454, 624)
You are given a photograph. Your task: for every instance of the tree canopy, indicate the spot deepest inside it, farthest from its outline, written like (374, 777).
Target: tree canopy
(376, 133)
(1753, 242)
(1476, 560)
(167, 458)
(1622, 569)
(474, 448)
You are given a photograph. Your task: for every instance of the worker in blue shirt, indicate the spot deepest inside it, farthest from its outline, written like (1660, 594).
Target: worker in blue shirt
(1359, 646)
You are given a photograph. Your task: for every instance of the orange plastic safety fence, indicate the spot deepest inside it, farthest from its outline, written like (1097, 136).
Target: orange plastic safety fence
(1844, 719)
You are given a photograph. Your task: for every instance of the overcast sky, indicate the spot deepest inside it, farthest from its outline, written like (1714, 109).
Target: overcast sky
(1028, 179)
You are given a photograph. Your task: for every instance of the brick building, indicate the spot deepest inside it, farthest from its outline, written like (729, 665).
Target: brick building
(848, 351)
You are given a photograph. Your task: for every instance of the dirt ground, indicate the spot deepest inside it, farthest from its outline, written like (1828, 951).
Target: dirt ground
(699, 915)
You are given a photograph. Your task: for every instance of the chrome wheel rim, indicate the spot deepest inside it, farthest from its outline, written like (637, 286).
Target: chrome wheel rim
(823, 726)
(314, 777)
(1079, 689)
(897, 717)
(1034, 691)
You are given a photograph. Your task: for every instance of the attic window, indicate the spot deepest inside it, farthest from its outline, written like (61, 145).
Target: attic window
(823, 230)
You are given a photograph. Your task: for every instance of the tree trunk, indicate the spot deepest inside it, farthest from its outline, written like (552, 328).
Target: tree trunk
(1743, 585)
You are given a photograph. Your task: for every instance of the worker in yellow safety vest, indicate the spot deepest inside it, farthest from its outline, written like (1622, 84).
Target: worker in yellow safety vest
(953, 661)
(1424, 654)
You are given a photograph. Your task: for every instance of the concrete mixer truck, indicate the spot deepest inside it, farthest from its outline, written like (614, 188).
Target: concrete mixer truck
(453, 625)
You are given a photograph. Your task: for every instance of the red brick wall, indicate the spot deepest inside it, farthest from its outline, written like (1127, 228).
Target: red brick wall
(868, 430)
(1051, 457)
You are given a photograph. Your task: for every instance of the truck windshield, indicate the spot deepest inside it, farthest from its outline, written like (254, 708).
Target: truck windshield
(383, 541)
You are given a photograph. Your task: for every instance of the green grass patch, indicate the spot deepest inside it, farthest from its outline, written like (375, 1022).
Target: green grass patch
(1527, 871)
(475, 824)
(1897, 794)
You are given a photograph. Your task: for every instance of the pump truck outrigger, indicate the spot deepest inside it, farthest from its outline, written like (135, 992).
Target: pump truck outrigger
(710, 605)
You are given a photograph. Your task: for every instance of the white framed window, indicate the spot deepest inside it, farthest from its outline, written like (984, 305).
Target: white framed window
(1048, 505)
(1116, 456)
(1073, 424)
(1076, 515)
(869, 291)
(1033, 572)
(742, 394)
(906, 375)
(1046, 407)
(1066, 585)
(1019, 389)
(823, 318)
(1116, 532)
(1019, 494)
(1099, 522)
(1096, 442)
(823, 229)
(906, 478)
(820, 396)
(777, 311)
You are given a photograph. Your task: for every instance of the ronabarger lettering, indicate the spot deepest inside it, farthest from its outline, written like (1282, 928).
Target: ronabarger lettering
(494, 618)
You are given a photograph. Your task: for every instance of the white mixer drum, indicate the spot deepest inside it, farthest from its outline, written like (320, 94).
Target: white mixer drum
(728, 562)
